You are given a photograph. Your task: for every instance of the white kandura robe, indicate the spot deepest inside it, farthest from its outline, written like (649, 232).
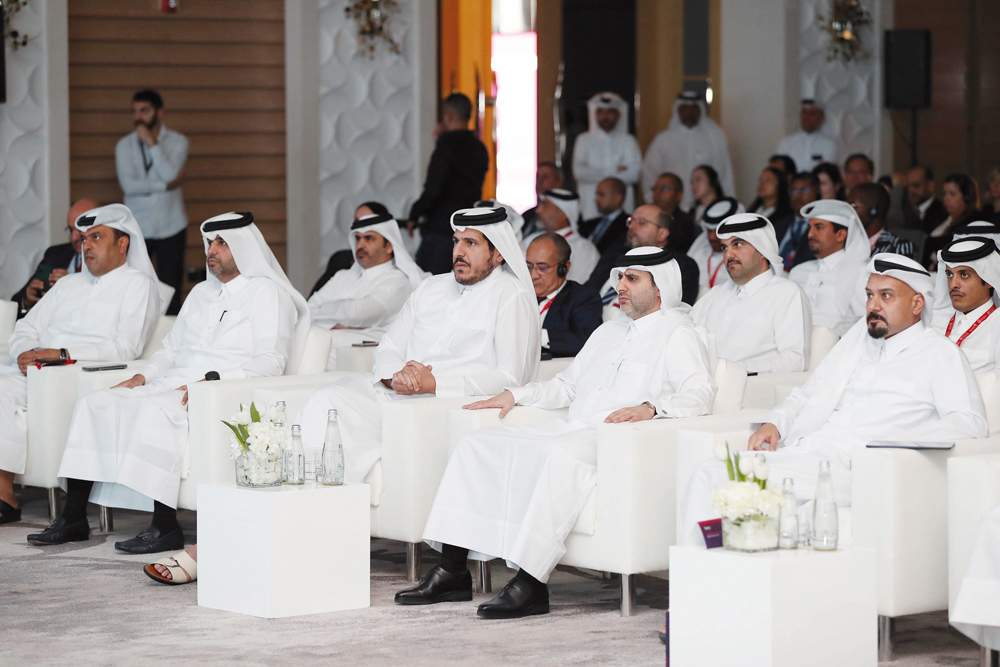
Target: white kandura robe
(367, 300)
(982, 346)
(515, 492)
(106, 318)
(913, 387)
(976, 613)
(710, 263)
(597, 155)
(136, 438)
(680, 149)
(808, 150)
(835, 286)
(477, 338)
(765, 325)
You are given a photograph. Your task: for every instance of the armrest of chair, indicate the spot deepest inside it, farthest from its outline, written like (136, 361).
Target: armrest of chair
(900, 507)
(760, 389)
(356, 359)
(549, 368)
(973, 490)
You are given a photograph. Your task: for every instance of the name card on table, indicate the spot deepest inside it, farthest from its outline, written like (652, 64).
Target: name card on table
(711, 530)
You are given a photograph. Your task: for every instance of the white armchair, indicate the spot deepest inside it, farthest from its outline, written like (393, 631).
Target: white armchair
(8, 318)
(767, 389)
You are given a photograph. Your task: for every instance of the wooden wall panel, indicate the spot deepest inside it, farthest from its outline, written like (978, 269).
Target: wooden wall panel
(219, 65)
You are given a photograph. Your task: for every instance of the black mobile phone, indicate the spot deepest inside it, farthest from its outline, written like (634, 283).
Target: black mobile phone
(53, 362)
(113, 367)
(42, 273)
(367, 343)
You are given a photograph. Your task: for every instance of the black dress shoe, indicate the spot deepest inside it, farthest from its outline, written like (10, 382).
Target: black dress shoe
(9, 513)
(518, 598)
(151, 541)
(439, 585)
(60, 532)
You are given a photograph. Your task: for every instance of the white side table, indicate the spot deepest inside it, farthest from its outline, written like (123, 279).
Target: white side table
(793, 608)
(284, 551)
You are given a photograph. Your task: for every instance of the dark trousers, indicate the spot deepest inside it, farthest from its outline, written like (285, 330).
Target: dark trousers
(167, 256)
(434, 254)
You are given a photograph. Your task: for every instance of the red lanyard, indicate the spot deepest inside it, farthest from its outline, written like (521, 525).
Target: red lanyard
(962, 338)
(546, 306)
(568, 234)
(711, 277)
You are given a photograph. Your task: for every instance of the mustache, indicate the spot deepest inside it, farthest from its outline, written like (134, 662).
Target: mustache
(875, 316)
(461, 260)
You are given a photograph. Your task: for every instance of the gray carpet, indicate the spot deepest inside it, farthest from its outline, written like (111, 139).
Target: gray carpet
(84, 603)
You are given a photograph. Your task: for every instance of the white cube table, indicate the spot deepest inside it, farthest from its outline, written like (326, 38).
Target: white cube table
(798, 607)
(284, 551)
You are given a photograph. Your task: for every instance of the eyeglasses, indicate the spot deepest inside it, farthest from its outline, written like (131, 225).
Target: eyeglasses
(641, 221)
(541, 268)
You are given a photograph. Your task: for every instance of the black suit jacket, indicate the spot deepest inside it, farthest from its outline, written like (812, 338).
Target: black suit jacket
(58, 257)
(455, 178)
(530, 222)
(683, 231)
(936, 214)
(688, 267)
(572, 317)
(614, 235)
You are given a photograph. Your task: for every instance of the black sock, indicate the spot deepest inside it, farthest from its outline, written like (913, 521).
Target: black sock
(164, 518)
(530, 580)
(453, 559)
(77, 495)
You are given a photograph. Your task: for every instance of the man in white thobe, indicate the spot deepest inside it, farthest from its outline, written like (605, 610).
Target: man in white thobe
(834, 281)
(891, 377)
(606, 150)
(972, 267)
(809, 146)
(559, 211)
(761, 320)
(470, 332)
(690, 140)
(706, 249)
(104, 312)
(245, 321)
(360, 303)
(943, 307)
(515, 492)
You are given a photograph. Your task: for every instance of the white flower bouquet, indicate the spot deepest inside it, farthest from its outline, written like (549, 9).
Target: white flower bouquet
(256, 444)
(749, 509)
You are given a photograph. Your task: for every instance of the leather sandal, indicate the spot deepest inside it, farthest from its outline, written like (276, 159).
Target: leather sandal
(182, 568)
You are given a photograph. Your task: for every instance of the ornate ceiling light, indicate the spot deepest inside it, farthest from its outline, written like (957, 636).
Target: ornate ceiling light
(846, 19)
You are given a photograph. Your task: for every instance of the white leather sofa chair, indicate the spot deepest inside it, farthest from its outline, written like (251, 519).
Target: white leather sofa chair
(899, 507)
(760, 389)
(8, 318)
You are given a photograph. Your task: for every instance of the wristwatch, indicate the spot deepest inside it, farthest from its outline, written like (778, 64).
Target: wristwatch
(63, 354)
(650, 405)
(211, 375)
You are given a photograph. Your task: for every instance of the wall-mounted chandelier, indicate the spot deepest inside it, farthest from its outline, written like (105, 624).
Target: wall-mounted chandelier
(372, 17)
(846, 19)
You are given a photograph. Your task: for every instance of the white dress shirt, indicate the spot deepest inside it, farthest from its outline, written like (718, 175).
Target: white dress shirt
(543, 310)
(106, 318)
(830, 283)
(361, 298)
(982, 346)
(144, 173)
(658, 358)
(808, 150)
(242, 330)
(583, 254)
(765, 325)
(479, 338)
(597, 155)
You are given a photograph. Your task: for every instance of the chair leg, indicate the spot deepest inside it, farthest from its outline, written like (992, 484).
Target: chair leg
(484, 583)
(884, 639)
(413, 561)
(107, 519)
(53, 505)
(628, 595)
(988, 657)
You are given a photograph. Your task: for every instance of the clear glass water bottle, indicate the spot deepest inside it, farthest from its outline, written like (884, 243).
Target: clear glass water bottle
(824, 523)
(788, 521)
(333, 452)
(282, 417)
(294, 459)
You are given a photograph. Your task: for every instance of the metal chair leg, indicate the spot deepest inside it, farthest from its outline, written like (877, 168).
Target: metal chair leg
(53, 505)
(484, 583)
(628, 595)
(884, 639)
(107, 519)
(988, 657)
(413, 561)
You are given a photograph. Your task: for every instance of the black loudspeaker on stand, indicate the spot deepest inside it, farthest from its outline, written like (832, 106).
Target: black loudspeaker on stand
(908, 75)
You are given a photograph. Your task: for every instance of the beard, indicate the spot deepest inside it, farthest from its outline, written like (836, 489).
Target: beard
(149, 126)
(877, 326)
(477, 274)
(638, 305)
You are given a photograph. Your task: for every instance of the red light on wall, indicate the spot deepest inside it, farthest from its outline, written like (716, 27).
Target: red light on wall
(169, 6)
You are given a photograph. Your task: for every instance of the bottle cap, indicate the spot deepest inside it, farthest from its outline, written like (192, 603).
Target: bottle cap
(331, 413)
(296, 429)
(281, 403)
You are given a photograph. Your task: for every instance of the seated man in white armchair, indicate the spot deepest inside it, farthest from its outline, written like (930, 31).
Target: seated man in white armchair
(470, 332)
(360, 303)
(104, 312)
(245, 321)
(891, 377)
(761, 320)
(515, 492)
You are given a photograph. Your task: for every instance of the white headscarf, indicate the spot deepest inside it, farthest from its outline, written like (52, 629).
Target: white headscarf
(567, 202)
(757, 231)
(910, 272)
(857, 249)
(661, 265)
(254, 259)
(688, 97)
(515, 219)
(720, 210)
(388, 228)
(492, 223)
(981, 228)
(980, 254)
(608, 100)
(119, 216)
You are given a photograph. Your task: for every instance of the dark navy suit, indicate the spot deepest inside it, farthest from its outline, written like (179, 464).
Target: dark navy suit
(572, 317)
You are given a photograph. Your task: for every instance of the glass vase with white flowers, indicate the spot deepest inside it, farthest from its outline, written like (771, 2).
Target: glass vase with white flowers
(256, 444)
(749, 509)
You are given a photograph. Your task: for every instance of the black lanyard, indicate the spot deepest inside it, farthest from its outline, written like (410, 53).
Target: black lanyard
(148, 165)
